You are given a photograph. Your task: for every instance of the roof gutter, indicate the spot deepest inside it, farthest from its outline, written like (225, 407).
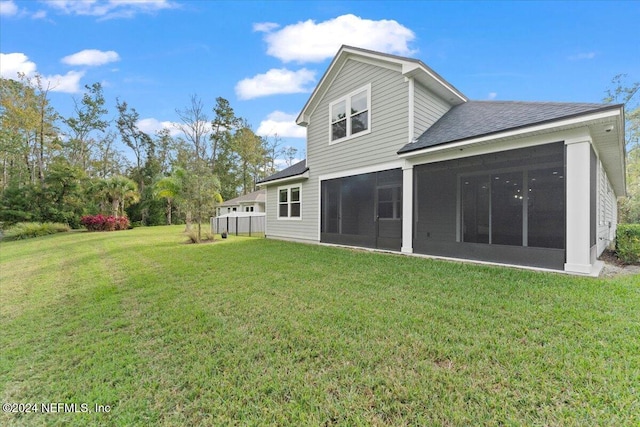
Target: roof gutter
(304, 175)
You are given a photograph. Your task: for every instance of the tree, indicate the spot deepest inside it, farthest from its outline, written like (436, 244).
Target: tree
(29, 134)
(108, 160)
(290, 155)
(64, 193)
(273, 151)
(251, 155)
(201, 189)
(222, 125)
(166, 146)
(171, 188)
(629, 207)
(88, 118)
(195, 125)
(132, 136)
(120, 192)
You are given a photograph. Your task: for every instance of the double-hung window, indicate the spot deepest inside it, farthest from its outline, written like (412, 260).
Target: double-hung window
(350, 115)
(289, 202)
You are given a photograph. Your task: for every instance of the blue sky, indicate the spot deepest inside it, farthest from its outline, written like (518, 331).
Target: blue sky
(266, 57)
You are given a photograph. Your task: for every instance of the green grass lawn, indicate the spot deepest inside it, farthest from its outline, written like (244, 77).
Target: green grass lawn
(262, 332)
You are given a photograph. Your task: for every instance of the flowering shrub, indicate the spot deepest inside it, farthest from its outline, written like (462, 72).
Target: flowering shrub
(105, 223)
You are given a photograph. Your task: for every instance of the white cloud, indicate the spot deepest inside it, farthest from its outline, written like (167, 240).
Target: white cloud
(13, 63)
(265, 27)
(41, 14)
(309, 41)
(8, 8)
(282, 124)
(275, 81)
(492, 95)
(583, 55)
(68, 83)
(108, 9)
(151, 126)
(91, 57)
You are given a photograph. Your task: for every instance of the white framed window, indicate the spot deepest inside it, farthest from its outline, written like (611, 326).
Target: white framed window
(290, 202)
(350, 116)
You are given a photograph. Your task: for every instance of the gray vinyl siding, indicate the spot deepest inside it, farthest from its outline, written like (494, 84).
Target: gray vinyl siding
(304, 229)
(607, 211)
(388, 121)
(389, 124)
(428, 109)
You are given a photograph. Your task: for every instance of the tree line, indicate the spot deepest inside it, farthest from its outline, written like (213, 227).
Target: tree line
(57, 169)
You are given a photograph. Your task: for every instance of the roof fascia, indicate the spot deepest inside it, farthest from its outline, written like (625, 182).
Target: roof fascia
(433, 81)
(408, 67)
(304, 175)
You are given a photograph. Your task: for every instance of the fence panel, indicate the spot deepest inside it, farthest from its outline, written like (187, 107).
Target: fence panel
(239, 225)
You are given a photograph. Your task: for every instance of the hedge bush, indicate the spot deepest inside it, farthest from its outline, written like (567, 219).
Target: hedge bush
(26, 230)
(105, 223)
(628, 243)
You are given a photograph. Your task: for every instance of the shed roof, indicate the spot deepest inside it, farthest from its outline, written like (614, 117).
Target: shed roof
(293, 170)
(254, 197)
(480, 118)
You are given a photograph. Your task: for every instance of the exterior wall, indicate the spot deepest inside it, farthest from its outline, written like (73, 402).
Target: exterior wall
(373, 151)
(607, 211)
(305, 228)
(428, 108)
(257, 206)
(388, 121)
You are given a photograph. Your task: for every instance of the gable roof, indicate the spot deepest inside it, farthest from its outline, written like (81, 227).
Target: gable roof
(254, 197)
(292, 171)
(408, 67)
(481, 118)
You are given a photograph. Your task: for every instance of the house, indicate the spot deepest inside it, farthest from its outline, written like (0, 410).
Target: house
(252, 202)
(399, 159)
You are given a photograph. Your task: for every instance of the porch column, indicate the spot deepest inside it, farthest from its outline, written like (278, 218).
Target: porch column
(407, 208)
(578, 205)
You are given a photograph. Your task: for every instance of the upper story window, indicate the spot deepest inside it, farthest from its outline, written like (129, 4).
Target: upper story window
(350, 115)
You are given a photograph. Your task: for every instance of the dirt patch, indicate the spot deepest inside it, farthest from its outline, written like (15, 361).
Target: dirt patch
(614, 267)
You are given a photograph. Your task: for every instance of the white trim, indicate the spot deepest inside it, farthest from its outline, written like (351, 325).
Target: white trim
(522, 132)
(578, 207)
(407, 67)
(319, 210)
(347, 100)
(412, 113)
(289, 202)
(407, 209)
(412, 68)
(500, 145)
(359, 171)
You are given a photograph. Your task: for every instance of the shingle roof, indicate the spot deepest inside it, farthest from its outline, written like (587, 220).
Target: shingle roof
(479, 118)
(297, 169)
(256, 196)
